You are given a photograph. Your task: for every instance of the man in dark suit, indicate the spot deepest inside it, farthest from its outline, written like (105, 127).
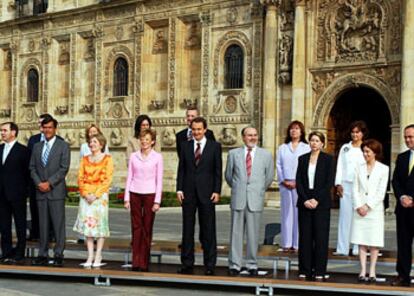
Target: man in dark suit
(403, 185)
(14, 181)
(198, 188)
(49, 165)
(186, 135)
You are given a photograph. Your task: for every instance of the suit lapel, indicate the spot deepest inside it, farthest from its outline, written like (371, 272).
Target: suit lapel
(10, 155)
(204, 152)
(1, 154)
(191, 151)
(52, 151)
(256, 160)
(242, 159)
(363, 176)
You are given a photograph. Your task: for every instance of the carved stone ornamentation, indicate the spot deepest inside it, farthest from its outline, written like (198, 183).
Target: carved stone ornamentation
(90, 49)
(8, 60)
(29, 112)
(232, 15)
(230, 104)
(4, 113)
(117, 108)
(193, 40)
(287, 18)
(160, 44)
(61, 110)
(119, 33)
(64, 55)
(86, 108)
(31, 46)
(228, 135)
(168, 137)
(157, 104)
(70, 138)
(116, 137)
(189, 103)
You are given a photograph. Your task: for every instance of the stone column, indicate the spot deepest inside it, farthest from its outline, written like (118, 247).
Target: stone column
(299, 63)
(270, 104)
(407, 70)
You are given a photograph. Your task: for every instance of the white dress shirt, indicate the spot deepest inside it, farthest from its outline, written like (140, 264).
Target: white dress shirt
(6, 151)
(311, 174)
(202, 142)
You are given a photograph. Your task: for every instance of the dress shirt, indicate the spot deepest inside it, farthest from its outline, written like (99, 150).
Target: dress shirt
(311, 174)
(252, 152)
(145, 175)
(349, 159)
(202, 142)
(42, 137)
(50, 143)
(7, 148)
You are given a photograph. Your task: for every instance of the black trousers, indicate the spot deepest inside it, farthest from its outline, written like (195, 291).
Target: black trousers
(34, 212)
(405, 235)
(17, 211)
(207, 221)
(313, 241)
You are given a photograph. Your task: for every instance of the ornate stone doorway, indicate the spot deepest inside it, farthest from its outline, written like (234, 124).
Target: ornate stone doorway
(359, 103)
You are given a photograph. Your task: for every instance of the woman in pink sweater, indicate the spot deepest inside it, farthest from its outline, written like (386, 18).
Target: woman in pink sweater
(143, 197)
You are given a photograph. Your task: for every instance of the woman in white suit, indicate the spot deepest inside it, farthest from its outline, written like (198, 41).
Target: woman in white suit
(369, 188)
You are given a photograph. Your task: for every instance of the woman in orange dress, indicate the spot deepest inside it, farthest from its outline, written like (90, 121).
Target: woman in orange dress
(94, 180)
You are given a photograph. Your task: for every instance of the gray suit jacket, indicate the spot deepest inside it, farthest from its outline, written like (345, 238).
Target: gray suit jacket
(55, 171)
(244, 190)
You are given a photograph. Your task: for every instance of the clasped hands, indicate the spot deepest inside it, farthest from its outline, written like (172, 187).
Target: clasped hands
(44, 186)
(407, 201)
(90, 198)
(311, 204)
(363, 210)
(215, 197)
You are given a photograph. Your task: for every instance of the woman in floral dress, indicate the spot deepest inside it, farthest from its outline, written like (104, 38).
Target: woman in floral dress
(94, 180)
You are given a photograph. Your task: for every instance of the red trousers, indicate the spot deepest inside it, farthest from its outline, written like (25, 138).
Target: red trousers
(142, 220)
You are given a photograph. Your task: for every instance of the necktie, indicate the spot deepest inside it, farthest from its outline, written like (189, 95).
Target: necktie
(45, 155)
(5, 153)
(197, 154)
(189, 135)
(249, 162)
(411, 165)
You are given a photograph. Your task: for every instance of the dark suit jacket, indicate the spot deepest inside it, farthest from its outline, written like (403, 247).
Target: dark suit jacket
(203, 179)
(14, 173)
(324, 179)
(181, 137)
(35, 139)
(402, 183)
(55, 171)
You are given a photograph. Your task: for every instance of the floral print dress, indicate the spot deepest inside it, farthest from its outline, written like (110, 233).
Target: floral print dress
(94, 178)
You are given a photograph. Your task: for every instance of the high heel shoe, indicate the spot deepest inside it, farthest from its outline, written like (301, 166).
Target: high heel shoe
(362, 279)
(86, 264)
(97, 263)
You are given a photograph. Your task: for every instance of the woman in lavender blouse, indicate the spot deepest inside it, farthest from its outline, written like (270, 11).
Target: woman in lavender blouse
(287, 162)
(143, 196)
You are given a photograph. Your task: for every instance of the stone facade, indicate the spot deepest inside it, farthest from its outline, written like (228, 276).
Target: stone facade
(299, 56)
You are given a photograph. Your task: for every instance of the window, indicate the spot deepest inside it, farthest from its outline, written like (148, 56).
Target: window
(39, 6)
(233, 60)
(32, 86)
(120, 77)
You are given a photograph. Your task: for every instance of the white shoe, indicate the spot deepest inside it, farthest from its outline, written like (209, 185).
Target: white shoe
(86, 264)
(98, 265)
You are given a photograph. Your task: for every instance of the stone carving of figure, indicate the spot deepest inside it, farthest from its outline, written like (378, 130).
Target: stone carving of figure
(228, 135)
(193, 39)
(70, 138)
(116, 137)
(168, 137)
(64, 54)
(8, 60)
(160, 44)
(90, 49)
(286, 47)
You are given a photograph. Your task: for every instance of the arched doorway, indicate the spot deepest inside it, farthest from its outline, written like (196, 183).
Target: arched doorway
(359, 103)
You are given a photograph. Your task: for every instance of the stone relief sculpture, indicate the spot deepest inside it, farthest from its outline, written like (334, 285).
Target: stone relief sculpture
(193, 40)
(70, 138)
(168, 137)
(8, 60)
(116, 137)
(160, 45)
(228, 136)
(287, 18)
(90, 49)
(64, 56)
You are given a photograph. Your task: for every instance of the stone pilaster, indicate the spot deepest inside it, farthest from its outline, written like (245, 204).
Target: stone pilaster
(299, 63)
(407, 70)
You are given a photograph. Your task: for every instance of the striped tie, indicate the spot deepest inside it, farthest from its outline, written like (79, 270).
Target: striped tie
(45, 155)
(197, 154)
(249, 162)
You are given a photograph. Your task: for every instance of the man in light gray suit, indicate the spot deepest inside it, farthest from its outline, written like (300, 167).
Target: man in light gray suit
(49, 165)
(249, 172)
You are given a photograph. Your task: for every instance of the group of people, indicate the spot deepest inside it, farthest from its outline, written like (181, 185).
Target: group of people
(306, 176)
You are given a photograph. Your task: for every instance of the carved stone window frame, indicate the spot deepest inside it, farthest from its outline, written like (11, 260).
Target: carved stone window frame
(35, 64)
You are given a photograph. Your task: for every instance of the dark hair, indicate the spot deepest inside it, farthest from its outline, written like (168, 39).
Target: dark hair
(150, 132)
(101, 139)
(192, 108)
(245, 128)
(200, 119)
(375, 146)
(13, 126)
(87, 131)
(44, 115)
(288, 138)
(320, 135)
(409, 126)
(138, 122)
(48, 119)
(361, 125)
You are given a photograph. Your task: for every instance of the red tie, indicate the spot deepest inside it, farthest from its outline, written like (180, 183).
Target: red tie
(249, 162)
(197, 154)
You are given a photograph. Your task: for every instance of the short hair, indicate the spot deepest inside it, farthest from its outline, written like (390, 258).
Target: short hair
(361, 125)
(150, 132)
(200, 119)
(88, 128)
(192, 108)
(138, 122)
(48, 119)
(320, 135)
(288, 138)
(13, 126)
(409, 126)
(44, 115)
(245, 128)
(101, 139)
(375, 146)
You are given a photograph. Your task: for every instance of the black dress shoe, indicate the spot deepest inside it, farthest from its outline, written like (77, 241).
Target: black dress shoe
(209, 271)
(185, 270)
(40, 261)
(399, 281)
(233, 272)
(253, 272)
(58, 261)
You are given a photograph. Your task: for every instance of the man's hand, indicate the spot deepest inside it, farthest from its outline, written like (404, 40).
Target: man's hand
(339, 191)
(44, 186)
(406, 201)
(180, 197)
(215, 197)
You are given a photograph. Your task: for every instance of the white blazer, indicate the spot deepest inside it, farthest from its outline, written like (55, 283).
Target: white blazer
(370, 191)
